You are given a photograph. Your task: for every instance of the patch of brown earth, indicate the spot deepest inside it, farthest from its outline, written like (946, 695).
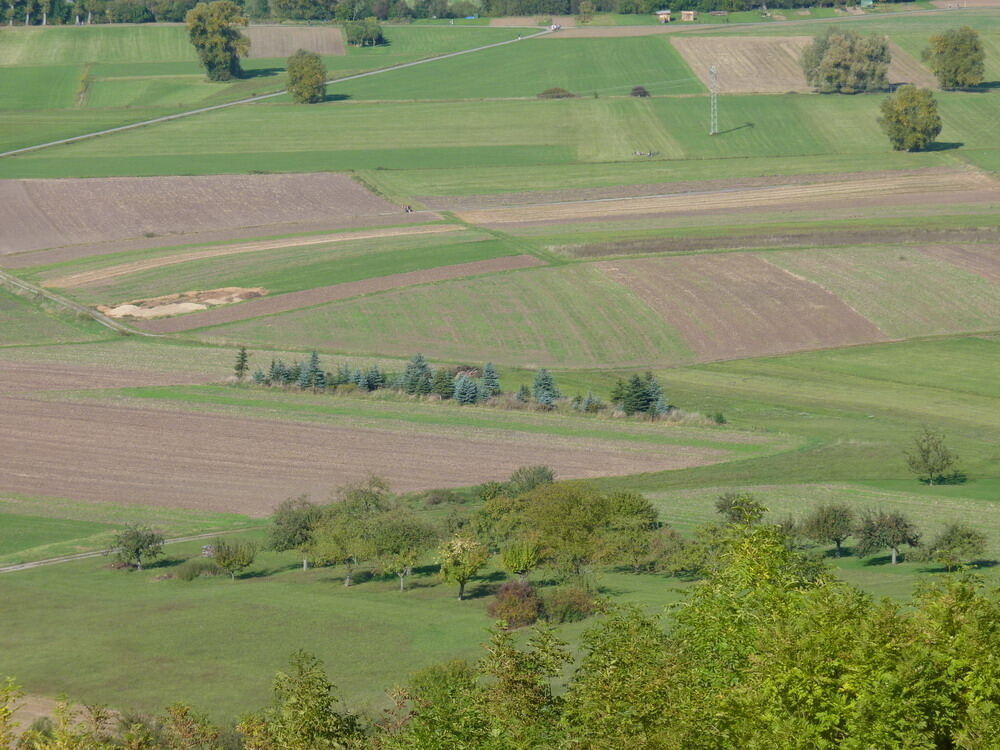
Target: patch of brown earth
(957, 186)
(23, 377)
(825, 238)
(772, 65)
(738, 305)
(181, 302)
(295, 300)
(39, 214)
(284, 41)
(983, 260)
(529, 198)
(124, 269)
(119, 454)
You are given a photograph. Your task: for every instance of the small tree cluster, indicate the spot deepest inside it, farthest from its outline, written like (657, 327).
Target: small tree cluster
(640, 395)
(364, 33)
(845, 62)
(957, 58)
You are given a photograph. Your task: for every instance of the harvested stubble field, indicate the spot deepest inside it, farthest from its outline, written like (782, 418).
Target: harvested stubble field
(738, 305)
(264, 306)
(771, 65)
(27, 377)
(87, 278)
(41, 214)
(982, 260)
(944, 186)
(214, 462)
(283, 41)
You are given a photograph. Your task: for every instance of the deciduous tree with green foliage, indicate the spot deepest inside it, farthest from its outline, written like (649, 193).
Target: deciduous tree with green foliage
(740, 508)
(234, 557)
(364, 33)
(400, 540)
(292, 526)
(461, 559)
(882, 530)
(306, 77)
(213, 29)
(842, 61)
(520, 557)
(910, 118)
(929, 458)
(135, 544)
(829, 522)
(957, 58)
(958, 544)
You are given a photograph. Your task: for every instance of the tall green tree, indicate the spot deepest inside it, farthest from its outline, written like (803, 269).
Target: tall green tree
(234, 557)
(957, 58)
(417, 379)
(491, 380)
(443, 384)
(292, 525)
(306, 77)
(843, 61)
(242, 363)
(135, 544)
(885, 530)
(930, 458)
(829, 522)
(466, 390)
(910, 118)
(304, 715)
(461, 559)
(401, 539)
(213, 29)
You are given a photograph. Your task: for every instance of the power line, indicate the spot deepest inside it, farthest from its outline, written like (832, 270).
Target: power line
(713, 86)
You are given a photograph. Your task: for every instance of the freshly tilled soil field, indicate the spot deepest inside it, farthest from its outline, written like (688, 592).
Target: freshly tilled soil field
(284, 41)
(737, 305)
(40, 214)
(134, 455)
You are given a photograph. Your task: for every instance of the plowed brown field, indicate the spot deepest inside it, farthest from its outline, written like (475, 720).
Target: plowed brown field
(295, 300)
(112, 453)
(737, 305)
(770, 65)
(284, 41)
(983, 260)
(955, 186)
(124, 269)
(39, 214)
(25, 377)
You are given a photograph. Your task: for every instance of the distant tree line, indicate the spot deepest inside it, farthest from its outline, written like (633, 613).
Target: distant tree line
(636, 396)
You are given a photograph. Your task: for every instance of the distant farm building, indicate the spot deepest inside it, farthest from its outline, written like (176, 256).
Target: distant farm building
(663, 16)
(689, 15)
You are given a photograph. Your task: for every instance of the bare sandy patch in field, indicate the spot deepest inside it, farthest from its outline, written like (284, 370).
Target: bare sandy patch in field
(180, 303)
(23, 377)
(284, 41)
(738, 305)
(944, 187)
(567, 22)
(39, 214)
(124, 269)
(295, 300)
(771, 65)
(121, 454)
(982, 260)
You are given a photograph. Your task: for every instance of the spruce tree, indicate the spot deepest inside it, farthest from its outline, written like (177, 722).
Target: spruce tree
(417, 376)
(466, 390)
(636, 396)
(374, 378)
(242, 363)
(259, 378)
(544, 389)
(491, 380)
(304, 378)
(444, 383)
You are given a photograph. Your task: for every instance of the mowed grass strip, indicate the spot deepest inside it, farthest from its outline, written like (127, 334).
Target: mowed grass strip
(23, 322)
(566, 316)
(605, 66)
(905, 292)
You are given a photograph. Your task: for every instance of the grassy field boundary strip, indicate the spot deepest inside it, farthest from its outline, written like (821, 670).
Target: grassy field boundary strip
(21, 287)
(259, 97)
(98, 553)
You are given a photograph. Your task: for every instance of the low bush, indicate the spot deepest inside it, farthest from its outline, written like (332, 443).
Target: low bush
(517, 604)
(196, 568)
(556, 93)
(569, 604)
(640, 91)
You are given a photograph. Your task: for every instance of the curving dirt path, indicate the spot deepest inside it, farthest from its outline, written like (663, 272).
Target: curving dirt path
(124, 269)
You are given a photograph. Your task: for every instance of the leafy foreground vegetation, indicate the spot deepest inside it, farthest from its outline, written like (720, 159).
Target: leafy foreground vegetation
(768, 650)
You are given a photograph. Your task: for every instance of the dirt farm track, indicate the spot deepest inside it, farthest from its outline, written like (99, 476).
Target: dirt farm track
(135, 455)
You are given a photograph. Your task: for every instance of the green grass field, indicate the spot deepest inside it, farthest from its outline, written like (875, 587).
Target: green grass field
(25, 323)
